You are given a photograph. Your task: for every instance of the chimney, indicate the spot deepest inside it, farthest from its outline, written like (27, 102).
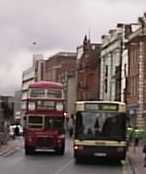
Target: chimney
(120, 25)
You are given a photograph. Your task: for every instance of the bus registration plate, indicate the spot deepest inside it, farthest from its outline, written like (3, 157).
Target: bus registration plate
(100, 154)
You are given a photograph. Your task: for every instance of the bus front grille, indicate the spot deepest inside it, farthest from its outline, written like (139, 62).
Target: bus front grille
(44, 142)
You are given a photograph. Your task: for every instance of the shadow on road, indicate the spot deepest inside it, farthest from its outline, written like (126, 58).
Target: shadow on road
(100, 162)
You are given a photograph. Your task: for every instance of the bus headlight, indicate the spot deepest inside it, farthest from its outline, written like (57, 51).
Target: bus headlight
(61, 136)
(78, 147)
(59, 106)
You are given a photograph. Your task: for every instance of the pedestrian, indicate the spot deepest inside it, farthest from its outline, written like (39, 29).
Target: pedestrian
(71, 125)
(144, 150)
(17, 131)
(144, 147)
(130, 134)
(136, 137)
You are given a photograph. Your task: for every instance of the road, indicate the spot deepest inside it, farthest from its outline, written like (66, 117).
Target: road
(14, 161)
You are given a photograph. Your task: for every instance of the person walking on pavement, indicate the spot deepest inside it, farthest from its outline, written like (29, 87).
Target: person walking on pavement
(71, 125)
(144, 147)
(17, 131)
(136, 138)
(130, 134)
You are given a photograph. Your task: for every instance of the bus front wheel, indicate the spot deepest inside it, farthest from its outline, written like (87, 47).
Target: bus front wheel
(29, 150)
(61, 150)
(78, 160)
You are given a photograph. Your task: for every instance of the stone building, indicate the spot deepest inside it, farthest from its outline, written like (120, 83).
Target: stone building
(114, 64)
(33, 73)
(88, 70)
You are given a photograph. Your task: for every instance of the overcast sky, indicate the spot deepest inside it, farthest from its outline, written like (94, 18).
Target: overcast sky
(55, 25)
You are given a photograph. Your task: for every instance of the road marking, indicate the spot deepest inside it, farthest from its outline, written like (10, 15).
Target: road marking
(9, 153)
(64, 167)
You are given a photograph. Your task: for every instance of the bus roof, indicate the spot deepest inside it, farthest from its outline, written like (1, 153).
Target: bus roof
(46, 84)
(100, 101)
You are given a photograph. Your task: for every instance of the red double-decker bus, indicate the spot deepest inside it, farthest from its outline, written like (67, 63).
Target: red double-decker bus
(44, 118)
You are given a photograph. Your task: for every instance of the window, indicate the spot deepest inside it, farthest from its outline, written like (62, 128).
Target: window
(54, 123)
(23, 105)
(54, 94)
(42, 71)
(36, 92)
(45, 104)
(106, 79)
(31, 106)
(106, 71)
(35, 122)
(94, 125)
(105, 84)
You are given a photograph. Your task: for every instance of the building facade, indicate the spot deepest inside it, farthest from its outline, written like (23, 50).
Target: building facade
(34, 73)
(136, 97)
(61, 68)
(6, 110)
(88, 71)
(114, 64)
(17, 105)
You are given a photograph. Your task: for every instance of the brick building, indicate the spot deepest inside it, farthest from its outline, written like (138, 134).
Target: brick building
(61, 68)
(88, 71)
(136, 93)
(59, 65)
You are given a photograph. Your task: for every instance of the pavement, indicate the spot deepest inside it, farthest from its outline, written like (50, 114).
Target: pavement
(135, 158)
(10, 147)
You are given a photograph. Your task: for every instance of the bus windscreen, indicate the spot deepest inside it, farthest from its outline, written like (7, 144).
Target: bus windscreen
(100, 125)
(54, 123)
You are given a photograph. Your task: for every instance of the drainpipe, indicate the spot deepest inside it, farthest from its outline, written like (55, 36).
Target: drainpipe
(140, 118)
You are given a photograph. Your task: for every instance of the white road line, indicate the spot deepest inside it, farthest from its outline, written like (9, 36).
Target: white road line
(9, 153)
(64, 167)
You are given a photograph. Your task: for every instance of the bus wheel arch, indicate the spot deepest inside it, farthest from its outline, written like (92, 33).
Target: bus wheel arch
(60, 150)
(29, 150)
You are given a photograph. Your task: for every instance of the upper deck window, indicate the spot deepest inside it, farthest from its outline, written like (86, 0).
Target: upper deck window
(36, 92)
(54, 94)
(45, 104)
(46, 93)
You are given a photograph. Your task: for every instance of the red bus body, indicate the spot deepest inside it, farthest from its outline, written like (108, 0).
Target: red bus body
(44, 118)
